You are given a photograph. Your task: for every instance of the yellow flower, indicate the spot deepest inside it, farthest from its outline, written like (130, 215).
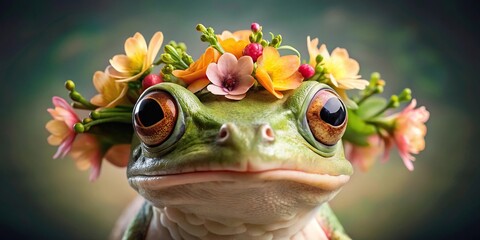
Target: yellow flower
(195, 75)
(341, 69)
(277, 73)
(138, 59)
(110, 92)
(234, 43)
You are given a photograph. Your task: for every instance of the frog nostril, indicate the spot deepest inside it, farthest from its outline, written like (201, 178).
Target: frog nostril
(223, 133)
(266, 133)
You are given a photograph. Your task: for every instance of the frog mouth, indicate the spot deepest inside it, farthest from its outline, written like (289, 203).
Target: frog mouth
(158, 182)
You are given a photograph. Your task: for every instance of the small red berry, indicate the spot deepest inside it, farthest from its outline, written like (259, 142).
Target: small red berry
(254, 50)
(255, 27)
(306, 70)
(150, 80)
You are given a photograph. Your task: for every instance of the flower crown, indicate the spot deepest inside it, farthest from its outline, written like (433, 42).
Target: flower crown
(232, 64)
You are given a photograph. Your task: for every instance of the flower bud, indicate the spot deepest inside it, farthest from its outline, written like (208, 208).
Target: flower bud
(306, 70)
(79, 128)
(204, 38)
(255, 27)
(167, 58)
(405, 95)
(318, 58)
(70, 85)
(95, 114)
(201, 28)
(254, 50)
(150, 80)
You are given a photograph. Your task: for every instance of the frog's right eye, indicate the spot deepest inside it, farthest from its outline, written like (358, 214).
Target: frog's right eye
(155, 116)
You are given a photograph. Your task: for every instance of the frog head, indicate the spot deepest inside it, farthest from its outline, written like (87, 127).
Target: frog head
(253, 160)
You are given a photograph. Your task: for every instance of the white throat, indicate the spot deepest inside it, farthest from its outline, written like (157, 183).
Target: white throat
(173, 223)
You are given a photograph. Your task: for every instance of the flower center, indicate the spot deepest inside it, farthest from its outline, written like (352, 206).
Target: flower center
(229, 82)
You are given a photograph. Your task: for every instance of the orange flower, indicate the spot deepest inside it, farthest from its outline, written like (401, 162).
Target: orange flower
(111, 93)
(195, 75)
(234, 42)
(277, 73)
(138, 59)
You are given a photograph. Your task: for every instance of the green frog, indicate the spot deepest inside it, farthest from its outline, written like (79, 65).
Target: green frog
(208, 167)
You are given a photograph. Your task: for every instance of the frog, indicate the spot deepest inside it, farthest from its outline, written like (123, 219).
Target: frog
(207, 167)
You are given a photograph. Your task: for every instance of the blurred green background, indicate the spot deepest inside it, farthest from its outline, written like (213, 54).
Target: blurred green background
(432, 48)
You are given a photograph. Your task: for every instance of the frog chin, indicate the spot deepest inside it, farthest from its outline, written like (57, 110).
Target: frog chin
(254, 197)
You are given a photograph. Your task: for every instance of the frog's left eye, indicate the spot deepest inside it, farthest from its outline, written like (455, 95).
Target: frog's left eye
(327, 117)
(155, 116)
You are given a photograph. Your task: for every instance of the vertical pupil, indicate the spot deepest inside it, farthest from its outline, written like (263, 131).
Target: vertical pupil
(149, 112)
(333, 112)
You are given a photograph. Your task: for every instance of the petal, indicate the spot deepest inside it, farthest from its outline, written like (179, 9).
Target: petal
(352, 67)
(118, 155)
(54, 140)
(99, 80)
(95, 166)
(264, 79)
(242, 35)
(98, 100)
(269, 58)
(131, 78)
(340, 53)
(288, 83)
(227, 63)
(324, 52)
(60, 102)
(333, 80)
(234, 47)
(153, 48)
(245, 82)
(244, 66)
(285, 67)
(120, 98)
(214, 75)
(216, 90)
(352, 84)
(122, 63)
(64, 147)
(312, 50)
(135, 46)
(57, 128)
(235, 97)
(198, 85)
(112, 72)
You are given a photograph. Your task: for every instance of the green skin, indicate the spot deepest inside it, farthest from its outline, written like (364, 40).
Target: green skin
(224, 153)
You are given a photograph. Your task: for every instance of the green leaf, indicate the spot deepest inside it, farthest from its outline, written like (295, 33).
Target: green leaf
(370, 107)
(358, 130)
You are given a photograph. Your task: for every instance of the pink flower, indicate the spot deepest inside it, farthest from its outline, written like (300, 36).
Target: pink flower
(230, 77)
(364, 156)
(61, 127)
(87, 152)
(409, 133)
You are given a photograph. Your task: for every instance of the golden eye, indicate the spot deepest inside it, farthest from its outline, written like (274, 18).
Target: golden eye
(155, 116)
(327, 117)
